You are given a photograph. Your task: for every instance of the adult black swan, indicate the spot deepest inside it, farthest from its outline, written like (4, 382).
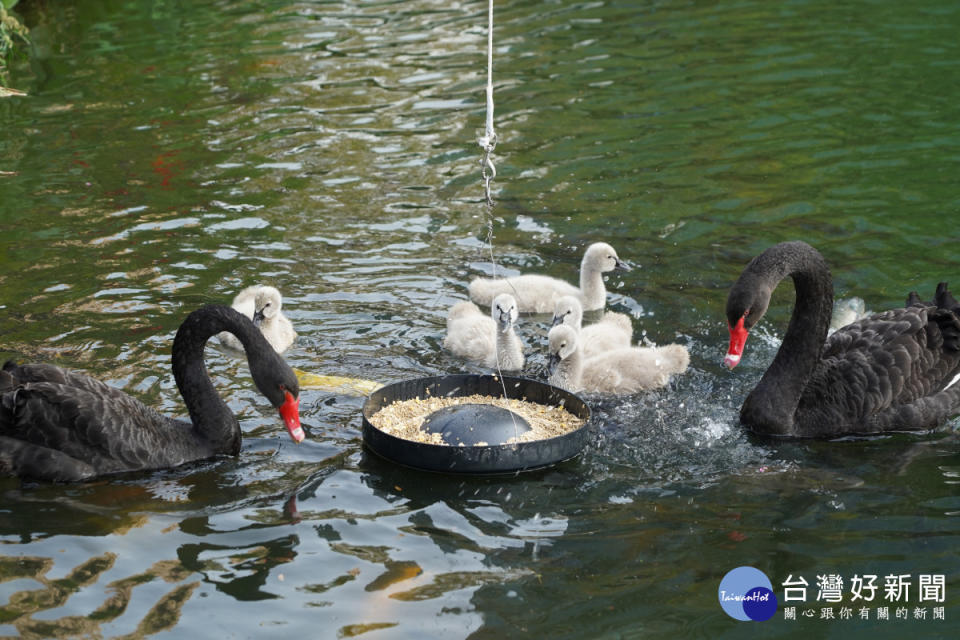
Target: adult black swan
(60, 425)
(892, 371)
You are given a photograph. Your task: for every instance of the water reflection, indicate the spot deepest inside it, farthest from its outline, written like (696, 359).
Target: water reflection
(23, 605)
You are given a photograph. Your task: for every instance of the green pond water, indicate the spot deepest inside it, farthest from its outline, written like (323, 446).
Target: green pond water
(171, 153)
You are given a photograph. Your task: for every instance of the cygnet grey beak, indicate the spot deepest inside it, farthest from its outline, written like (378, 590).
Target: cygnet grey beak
(258, 317)
(558, 320)
(622, 266)
(503, 320)
(553, 361)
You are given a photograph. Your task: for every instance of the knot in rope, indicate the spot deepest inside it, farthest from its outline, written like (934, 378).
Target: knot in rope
(488, 171)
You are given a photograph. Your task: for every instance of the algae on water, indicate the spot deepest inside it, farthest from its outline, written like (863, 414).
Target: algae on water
(12, 34)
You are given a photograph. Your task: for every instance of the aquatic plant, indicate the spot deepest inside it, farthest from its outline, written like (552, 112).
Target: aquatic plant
(12, 32)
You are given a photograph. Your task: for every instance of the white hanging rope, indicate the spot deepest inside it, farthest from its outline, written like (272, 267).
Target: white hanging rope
(488, 171)
(489, 139)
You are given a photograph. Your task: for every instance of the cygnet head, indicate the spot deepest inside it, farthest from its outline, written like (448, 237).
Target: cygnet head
(504, 311)
(266, 304)
(602, 257)
(568, 311)
(562, 344)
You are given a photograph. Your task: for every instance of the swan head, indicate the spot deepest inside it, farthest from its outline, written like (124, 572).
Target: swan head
(562, 341)
(277, 381)
(568, 311)
(602, 257)
(504, 311)
(266, 304)
(258, 302)
(747, 302)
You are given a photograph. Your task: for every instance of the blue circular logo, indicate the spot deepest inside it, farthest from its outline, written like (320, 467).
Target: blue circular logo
(747, 594)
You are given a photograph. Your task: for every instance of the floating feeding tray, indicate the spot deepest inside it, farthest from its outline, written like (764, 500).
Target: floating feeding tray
(465, 424)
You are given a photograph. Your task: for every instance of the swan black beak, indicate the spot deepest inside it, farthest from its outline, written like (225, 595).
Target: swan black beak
(290, 412)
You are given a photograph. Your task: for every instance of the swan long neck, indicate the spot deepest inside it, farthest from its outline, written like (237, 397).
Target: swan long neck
(779, 391)
(592, 288)
(211, 417)
(508, 348)
(570, 370)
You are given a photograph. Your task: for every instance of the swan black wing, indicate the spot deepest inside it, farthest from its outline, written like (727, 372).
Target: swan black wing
(890, 371)
(61, 425)
(25, 373)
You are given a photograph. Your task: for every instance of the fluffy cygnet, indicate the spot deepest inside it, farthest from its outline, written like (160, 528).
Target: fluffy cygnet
(847, 311)
(263, 305)
(538, 293)
(620, 371)
(487, 339)
(612, 331)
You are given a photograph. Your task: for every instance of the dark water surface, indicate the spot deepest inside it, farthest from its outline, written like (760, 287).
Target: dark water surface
(170, 154)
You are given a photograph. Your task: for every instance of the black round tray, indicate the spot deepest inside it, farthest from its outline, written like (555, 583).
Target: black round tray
(503, 458)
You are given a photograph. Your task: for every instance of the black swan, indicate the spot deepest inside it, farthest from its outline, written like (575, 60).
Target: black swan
(60, 425)
(891, 371)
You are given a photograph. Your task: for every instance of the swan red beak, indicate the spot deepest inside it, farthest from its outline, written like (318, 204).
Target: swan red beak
(738, 338)
(290, 412)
